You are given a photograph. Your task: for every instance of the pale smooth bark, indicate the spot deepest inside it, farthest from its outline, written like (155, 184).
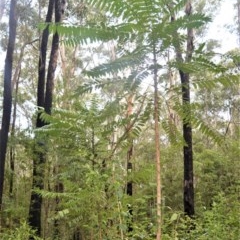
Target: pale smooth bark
(157, 147)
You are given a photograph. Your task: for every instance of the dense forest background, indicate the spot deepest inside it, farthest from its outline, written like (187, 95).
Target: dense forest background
(119, 120)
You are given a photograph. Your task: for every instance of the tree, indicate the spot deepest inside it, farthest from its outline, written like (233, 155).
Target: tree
(45, 99)
(188, 192)
(157, 146)
(7, 94)
(154, 35)
(36, 200)
(83, 182)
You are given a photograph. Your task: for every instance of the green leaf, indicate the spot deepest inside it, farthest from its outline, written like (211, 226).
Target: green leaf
(174, 217)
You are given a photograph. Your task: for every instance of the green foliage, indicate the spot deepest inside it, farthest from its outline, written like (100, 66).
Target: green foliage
(88, 139)
(133, 59)
(220, 222)
(20, 233)
(74, 35)
(141, 20)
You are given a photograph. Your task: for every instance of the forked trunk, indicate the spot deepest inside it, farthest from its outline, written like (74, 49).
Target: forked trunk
(45, 100)
(39, 156)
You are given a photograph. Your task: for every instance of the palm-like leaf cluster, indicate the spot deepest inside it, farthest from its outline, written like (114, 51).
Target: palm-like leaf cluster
(145, 24)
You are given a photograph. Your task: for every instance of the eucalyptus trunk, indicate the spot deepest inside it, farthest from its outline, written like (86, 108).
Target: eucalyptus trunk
(39, 156)
(188, 187)
(59, 11)
(12, 148)
(157, 146)
(7, 94)
(15, 84)
(188, 196)
(45, 99)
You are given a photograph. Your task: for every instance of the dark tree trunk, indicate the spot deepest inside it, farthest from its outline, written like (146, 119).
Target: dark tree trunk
(188, 192)
(42, 63)
(129, 183)
(7, 94)
(130, 189)
(77, 235)
(129, 162)
(44, 99)
(39, 156)
(188, 189)
(59, 10)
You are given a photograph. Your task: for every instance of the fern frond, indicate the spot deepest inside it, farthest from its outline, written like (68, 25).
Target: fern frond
(135, 78)
(194, 21)
(132, 59)
(142, 12)
(226, 80)
(199, 64)
(206, 130)
(173, 134)
(179, 5)
(188, 114)
(73, 35)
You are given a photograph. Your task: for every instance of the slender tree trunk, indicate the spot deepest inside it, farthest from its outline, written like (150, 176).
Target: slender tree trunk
(188, 189)
(39, 156)
(44, 99)
(129, 163)
(15, 83)
(188, 199)
(59, 10)
(42, 63)
(12, 148)
(7, 94)
(157, 146)
(188, 194)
